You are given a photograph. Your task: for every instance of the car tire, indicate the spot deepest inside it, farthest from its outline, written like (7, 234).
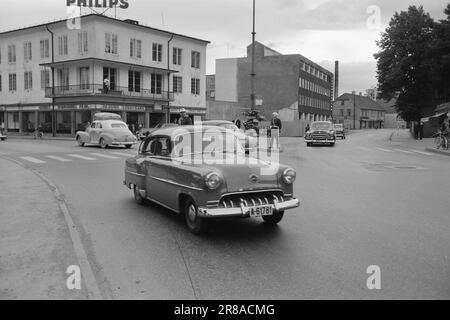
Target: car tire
(137, 196)
(194, 223)
(80, 142)
(308, 144)
(103, 143)
(128, 146)
(273, 219)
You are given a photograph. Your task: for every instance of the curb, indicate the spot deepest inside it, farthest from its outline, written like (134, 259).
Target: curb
(91, 284)
(439, 151)
(44, 138)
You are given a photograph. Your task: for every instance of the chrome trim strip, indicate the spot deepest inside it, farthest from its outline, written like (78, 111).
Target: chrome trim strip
(162, 205)
(135, 174)
(176, 184)
(250, 191)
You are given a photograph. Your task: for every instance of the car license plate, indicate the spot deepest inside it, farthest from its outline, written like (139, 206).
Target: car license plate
(260, 211)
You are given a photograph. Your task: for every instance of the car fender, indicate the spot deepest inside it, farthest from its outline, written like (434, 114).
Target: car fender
(107, 137)
(84, 136)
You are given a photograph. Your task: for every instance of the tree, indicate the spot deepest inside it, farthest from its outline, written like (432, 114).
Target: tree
(441, 58)
(404, 62)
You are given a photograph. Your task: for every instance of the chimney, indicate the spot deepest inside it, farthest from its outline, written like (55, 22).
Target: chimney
(336, 80)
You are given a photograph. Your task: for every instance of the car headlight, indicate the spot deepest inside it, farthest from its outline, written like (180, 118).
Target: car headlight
(213, 180)
(289, 176)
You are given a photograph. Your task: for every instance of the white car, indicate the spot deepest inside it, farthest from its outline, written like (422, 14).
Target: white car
(247, 141)
(107, 133)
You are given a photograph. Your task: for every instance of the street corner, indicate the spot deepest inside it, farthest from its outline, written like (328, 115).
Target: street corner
(35, 245)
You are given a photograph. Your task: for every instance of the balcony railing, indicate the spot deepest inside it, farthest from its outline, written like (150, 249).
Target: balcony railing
(97, 89)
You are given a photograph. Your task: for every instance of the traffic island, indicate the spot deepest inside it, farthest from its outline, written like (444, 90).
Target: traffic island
(36, 248)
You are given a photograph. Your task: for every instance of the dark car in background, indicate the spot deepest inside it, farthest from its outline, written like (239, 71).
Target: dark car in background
(144, 132)
(321, 132)
(339, 130)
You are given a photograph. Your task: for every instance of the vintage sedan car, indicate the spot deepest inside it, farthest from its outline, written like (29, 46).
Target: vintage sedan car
(249, 142)
(339, 130)
(107, 133)
(321, 132)
(192, 181)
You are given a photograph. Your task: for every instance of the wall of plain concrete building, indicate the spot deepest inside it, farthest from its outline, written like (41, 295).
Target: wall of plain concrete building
(226, 82)
(224, 110)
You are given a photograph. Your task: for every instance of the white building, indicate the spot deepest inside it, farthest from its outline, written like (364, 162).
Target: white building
(152, 73)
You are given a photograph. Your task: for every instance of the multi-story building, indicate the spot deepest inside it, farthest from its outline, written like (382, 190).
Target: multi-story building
(50, 71)
(356, 111)
(282, 83)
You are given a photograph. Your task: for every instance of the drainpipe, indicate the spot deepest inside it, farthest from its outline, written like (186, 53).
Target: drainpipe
(168, 79)
(53, 85)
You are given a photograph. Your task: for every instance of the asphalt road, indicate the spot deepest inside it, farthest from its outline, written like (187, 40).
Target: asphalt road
(366, 201)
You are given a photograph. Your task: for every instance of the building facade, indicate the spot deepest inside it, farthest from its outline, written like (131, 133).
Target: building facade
(356, 111)
(289, 84)
(54, 77)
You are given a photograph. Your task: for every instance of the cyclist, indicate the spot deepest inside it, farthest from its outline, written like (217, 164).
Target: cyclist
(38, 133)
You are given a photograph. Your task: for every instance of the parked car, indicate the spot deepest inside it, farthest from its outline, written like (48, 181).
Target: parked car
(321, 132)
(193, 184)
(107, 133)
(339, 130)
(249, 142)
(3, 137)
(144, 132)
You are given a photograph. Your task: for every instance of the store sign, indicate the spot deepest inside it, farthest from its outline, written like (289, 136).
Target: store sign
(122, 4)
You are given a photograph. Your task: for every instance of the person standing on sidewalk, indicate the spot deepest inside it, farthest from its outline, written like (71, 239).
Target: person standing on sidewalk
(184, 120)
(275, 128)
(420, 130)
(2, 128)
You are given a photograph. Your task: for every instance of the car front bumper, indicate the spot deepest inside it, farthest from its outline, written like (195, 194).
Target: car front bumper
(119, 143)
(243, 211)
(320, 140)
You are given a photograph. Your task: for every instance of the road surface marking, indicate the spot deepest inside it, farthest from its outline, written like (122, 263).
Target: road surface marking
(59, 159)
(33, 160)
(81, 157)
(404, 151)
(103, 156)
(422, 152)
(385, 150)
(123, 154)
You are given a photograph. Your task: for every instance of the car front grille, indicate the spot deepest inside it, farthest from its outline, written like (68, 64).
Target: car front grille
(251, 199)
(319, 136)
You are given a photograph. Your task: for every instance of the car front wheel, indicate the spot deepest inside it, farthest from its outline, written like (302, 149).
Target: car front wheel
(195, 224)
(274, 218)
(80, 142)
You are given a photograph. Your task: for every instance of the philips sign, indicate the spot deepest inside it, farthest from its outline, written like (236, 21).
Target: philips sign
(123, 4)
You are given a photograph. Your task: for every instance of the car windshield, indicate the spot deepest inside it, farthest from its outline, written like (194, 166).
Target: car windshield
(208, 142)
(339, 126)
(118, 125)
(321, 126)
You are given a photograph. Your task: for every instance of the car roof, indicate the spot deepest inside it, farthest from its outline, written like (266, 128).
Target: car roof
(216, 122)
(173, 131)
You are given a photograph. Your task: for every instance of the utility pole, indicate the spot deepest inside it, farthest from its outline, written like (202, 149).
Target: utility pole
(354, 110)
(252, 95)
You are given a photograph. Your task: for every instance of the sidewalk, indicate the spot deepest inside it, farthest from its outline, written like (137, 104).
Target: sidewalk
(404, 137)
(35, 243)
(47, 136)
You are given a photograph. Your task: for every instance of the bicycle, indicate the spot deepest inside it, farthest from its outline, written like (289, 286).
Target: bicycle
(440, 140)
(38, 134)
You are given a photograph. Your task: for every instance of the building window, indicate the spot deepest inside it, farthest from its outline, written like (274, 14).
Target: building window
(12, 54)
(83, 42)
(27, 51)
(84, 78)
(63, 78)
(157, 52)
(28, 80)
(110, 74)
(156, 83)
(12, 82)
(45, 48)
(177, 52)
(349, 112)
(135, 48)
(134, 81)
(177, 84)
(45, 79)
(195, 59)
(62, 46)
(195, 86)
(111, 43)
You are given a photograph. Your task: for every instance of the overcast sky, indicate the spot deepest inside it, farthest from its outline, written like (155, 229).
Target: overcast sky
(321, 30)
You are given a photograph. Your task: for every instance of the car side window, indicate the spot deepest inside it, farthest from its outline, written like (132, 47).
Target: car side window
(93, 125)
(157, 146)
(98, 125)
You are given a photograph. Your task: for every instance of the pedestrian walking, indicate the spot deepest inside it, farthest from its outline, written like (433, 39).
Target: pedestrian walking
(420, 130)
(2, 128)
(184, 120)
